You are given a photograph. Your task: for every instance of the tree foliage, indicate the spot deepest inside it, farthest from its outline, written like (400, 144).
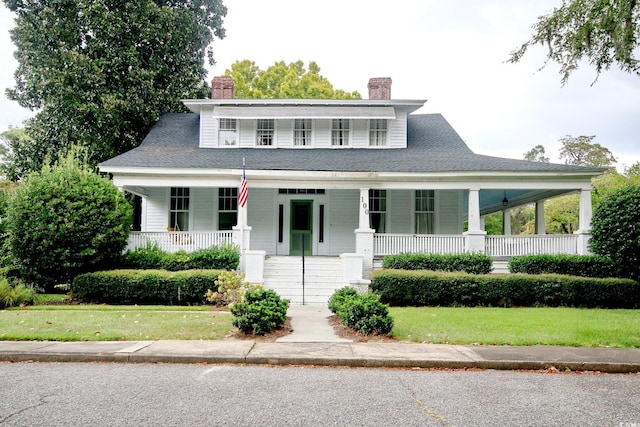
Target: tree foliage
(65, 220)
(283, 80)
(604, 32)
(536, 154)
(101, 72)
(581, 151)
(615, 233)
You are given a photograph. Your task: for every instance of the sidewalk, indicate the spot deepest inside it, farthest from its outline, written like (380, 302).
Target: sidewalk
(312, 342)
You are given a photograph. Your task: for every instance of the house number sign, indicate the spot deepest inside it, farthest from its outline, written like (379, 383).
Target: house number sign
(364, 206)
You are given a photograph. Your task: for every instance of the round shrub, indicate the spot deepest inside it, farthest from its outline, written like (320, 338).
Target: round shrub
(261, 312)
(615, 230)
(65, 220)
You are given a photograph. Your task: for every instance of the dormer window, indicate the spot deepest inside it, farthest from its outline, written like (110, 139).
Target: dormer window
(339, 132)
(227, 132)
(378, 132)
(302, 132)
(265, 130)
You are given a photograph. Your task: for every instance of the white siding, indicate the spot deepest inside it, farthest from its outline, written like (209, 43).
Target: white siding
(157, 215)
(449, 212)
(400, 211)
(342, 220)
(247, 137)
(398, 130)
(284, 133)
(262, 219)
(322, 133)
(360, 133)
(208, 128)
(203, 203)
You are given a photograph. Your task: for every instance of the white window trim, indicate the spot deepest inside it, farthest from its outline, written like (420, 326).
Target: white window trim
(220, 131)
(436, 210)
(349, 138)
(386, 141)
(311, 134)
(189, 211)
(274, 139)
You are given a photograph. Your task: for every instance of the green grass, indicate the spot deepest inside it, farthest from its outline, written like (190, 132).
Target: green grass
(518, 326)
(113, 323)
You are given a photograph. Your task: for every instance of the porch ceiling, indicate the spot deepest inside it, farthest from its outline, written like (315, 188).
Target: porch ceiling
(491, 200)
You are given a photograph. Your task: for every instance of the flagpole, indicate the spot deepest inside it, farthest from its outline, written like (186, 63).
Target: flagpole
(243, 216)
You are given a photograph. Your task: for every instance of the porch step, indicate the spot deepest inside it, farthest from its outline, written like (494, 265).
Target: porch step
(500, 267)
(323, 275)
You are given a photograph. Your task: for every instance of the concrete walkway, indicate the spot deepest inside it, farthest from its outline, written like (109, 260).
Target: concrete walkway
(310, 324)
(312, 342)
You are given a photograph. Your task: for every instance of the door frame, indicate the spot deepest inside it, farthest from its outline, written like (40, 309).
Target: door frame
(293, 235)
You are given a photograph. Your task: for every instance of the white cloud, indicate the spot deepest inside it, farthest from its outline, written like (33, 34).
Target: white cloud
(451, 53)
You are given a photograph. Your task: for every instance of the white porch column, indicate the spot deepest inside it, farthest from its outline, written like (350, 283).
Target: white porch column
(506, 222)
(364, 234)
(242, 236)
(541, 227)
(475, 240)
(584, 226)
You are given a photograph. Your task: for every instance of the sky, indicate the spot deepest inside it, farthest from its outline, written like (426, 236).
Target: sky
(451, 53)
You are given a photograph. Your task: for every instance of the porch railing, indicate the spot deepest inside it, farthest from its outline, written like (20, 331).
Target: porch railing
(507, 246)
(173, 241)
(389, 244)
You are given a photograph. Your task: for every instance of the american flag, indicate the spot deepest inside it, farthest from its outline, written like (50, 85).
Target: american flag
(243, 195)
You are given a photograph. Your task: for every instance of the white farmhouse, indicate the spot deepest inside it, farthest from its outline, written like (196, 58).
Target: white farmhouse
(342, 182)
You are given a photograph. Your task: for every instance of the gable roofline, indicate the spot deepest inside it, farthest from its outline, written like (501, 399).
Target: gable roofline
(411, 105)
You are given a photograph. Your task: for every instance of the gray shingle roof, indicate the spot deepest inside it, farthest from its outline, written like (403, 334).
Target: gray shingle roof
(433, 146)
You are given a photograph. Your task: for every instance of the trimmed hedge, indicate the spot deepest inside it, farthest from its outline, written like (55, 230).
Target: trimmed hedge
(145, 286)
(467, 262)
(427, 288)
(224, 257)
(363, 313)
(572, 265)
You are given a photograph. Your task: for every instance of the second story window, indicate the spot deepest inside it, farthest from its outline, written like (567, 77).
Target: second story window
(264, 132)
(339, 132)
(227, 132)
(377, 132)
(302, 132)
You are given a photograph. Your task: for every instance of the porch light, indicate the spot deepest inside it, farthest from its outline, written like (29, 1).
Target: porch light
(505, 201)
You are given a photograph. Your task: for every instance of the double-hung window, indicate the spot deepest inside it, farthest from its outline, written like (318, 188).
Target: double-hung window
(425, 211)
(378, 210)
(339, 132)
(302, 132)
(179, 209)
(227, 208)
(227, 132)
(265, 129)
(378, 132)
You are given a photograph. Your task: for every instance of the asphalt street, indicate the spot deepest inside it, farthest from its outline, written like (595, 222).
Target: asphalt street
(112, 394)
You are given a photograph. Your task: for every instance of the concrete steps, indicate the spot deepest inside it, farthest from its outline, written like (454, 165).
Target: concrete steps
(323, 275)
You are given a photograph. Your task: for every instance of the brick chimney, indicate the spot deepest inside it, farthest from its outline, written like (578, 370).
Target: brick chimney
(379, 88)
(222, 87)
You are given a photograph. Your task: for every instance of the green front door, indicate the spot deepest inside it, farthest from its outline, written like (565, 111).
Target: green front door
(301, 227)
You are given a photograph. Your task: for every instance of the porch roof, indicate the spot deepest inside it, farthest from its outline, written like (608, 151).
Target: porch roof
(432, 146)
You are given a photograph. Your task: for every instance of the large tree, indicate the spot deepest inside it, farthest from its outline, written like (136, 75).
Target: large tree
(283, 80)
(100, 72)
(604, 32)
(536, 154)
(581, 151)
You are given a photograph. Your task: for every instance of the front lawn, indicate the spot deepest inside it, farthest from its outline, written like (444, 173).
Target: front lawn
(518, 326)
(113, 323)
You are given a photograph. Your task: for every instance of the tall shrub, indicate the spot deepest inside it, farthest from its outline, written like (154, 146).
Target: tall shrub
(65, 220)
(615, 230)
